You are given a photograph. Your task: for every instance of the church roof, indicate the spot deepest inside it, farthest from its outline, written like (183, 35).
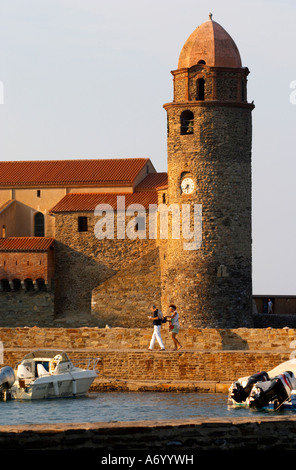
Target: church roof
(153, 181)
(98, 172)
(85, 202)
(210, 43)
(25, 244)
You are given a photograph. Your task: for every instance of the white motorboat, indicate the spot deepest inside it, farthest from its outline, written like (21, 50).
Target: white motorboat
(45, 374)
(275, 389)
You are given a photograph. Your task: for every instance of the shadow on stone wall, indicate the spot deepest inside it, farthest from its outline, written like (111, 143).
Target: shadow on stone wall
(124, 300)
(26, 308)
(76, 276)
(91, 291)
(232, 341)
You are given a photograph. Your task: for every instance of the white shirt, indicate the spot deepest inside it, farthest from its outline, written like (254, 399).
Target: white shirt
(175, 320)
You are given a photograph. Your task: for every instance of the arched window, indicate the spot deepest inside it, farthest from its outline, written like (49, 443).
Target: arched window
(200, 89)
(5, 285)
(41, 284)
(16, 284)
(39, 224)
(201, 62)
(187, 121)
(29, 286)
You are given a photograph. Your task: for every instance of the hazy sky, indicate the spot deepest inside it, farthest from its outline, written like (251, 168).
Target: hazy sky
(88, 79)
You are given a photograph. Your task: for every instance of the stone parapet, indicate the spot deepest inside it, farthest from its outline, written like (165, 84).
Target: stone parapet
(203, 339)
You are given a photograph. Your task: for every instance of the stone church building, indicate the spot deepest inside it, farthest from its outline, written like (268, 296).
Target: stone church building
(59, 258)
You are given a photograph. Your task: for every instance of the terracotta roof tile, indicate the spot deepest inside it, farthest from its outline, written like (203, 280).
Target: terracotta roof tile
(26, 243)
(153, 181)
(85, 202)
(61, 172)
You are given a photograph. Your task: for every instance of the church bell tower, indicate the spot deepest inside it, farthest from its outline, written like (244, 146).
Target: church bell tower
(209, 167)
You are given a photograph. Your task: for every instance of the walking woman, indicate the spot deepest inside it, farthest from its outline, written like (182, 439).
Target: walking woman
(174, 325)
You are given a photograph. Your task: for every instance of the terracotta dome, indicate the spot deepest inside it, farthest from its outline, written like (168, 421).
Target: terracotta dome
(211, 44)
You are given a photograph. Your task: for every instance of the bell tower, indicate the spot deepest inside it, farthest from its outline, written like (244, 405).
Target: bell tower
(209, 166)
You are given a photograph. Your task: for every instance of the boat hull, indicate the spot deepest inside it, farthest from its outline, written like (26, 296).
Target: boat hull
(72, 384)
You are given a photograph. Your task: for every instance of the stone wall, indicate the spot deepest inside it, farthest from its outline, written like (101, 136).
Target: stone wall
(161, 439)
(208, 355)
(125, 298)
(262, 320)
(203, 339)
(115, 281)
(198, 339)
(208, 295)
(26, 308)
(223, 84)
(27, 265)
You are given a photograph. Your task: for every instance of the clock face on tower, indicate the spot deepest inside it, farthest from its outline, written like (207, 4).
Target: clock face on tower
(187, 185)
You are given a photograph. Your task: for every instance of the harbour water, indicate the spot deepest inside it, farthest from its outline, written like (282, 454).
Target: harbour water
(113, 406)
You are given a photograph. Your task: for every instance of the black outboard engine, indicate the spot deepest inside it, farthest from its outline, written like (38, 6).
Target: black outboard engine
(240, 393)
(277, 390)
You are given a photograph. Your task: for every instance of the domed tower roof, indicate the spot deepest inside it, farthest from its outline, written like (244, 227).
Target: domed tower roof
(211, 44)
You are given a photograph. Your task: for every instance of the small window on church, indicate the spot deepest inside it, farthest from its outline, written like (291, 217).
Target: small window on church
(39, 224)
(82, 224)
(200, 89)
(187, 121)
(201, 62)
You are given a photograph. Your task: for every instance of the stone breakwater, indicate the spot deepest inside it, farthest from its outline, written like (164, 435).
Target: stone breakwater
(275, 433)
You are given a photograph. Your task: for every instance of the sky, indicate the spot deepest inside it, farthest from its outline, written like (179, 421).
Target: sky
(88, 79)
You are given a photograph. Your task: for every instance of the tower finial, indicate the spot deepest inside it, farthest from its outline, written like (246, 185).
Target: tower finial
(210, 16)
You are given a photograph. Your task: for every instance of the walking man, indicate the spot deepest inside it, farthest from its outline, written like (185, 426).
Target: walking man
(156, 329)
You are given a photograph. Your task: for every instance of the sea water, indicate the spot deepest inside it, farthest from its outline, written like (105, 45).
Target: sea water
(121, 406)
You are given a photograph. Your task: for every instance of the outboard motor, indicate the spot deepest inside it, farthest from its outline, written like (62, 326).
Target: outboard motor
(277, 390)
(240, 390)
(7, 379)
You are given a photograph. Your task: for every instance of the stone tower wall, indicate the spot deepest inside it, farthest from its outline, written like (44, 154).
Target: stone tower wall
(212, 285)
